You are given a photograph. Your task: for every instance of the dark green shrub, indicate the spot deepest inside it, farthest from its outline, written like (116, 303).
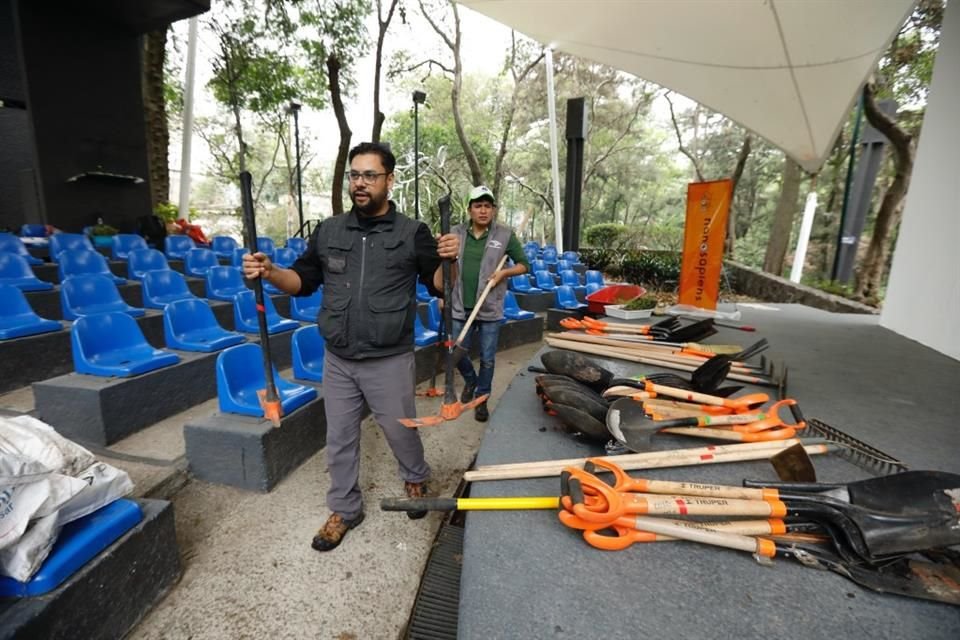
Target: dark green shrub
(605, 235)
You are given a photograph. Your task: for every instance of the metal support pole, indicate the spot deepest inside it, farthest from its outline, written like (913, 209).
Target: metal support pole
(419, 97)
(554, 158)
(184, 203)
(296, 136)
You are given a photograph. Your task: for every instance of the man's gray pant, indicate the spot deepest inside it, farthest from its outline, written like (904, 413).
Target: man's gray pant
(388, 385)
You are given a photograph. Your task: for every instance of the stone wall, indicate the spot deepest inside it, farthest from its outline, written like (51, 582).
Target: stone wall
(770, 288)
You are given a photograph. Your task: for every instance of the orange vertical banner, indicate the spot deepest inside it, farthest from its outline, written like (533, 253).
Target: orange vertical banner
(708, 204)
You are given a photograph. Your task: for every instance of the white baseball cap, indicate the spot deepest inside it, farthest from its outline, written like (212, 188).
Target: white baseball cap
(481, 193)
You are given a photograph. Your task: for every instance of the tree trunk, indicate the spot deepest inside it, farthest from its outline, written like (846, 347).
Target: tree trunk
(383, 25)
(336, 191)
(783, 219)
(732, 215)
(155, 113)
(870, 276)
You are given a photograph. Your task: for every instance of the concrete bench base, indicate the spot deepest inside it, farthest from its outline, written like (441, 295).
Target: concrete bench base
(536, 302)
(109, 595)
(106, 410)
(250, 453)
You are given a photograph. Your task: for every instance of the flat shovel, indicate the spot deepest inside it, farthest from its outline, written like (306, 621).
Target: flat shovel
(452, 408)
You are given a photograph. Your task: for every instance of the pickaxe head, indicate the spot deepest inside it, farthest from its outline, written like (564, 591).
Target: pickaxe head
(448, 411)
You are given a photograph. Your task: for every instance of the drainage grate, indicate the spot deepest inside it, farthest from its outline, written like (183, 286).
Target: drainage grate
(437, 608)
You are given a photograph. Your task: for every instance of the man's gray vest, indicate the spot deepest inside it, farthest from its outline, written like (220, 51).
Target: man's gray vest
(369, 286)
(498, 237)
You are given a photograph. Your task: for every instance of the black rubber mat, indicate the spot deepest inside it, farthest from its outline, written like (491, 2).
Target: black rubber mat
(436, 609)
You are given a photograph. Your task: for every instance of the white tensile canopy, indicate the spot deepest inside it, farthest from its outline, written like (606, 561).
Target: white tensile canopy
(788, 70)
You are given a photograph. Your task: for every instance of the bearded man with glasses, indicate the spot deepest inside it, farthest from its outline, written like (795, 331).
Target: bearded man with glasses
(368, 261)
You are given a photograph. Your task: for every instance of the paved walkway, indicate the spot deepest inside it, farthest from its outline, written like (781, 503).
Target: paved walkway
(249, 571)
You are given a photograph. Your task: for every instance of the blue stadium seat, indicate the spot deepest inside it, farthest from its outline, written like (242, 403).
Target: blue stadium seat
(421, 335)
(308, 351)
(521, 284)
(176, 247)
(17, 317)
(15, 271)
(160, 288)
(306, 308)
(112, 344)
(423, 294)
(33, 231)
(545, 280)
(266, 246)
(245, 315)
(189, 325)
(140, 261)
(593, 287)
(538, 265)
(512, 311)
(240, 376)
(60, 242)
(237, 259)
(571, 256)
(284, 256)
(223, 246)
(10, 243)
(550, 254)
(224, 283)
(124, 243)
(297, 244)
(434, 315)
(198, 260)
(89, 294)
(564, 265)
(80, 262)
(592, 275)
(572, 279)
(567, 299)
(76, 544)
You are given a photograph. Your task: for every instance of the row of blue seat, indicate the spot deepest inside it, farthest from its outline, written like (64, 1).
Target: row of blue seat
(175, 246)
(112, 344)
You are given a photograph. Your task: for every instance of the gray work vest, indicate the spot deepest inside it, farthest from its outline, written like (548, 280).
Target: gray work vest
(369, 286)
(498, 237)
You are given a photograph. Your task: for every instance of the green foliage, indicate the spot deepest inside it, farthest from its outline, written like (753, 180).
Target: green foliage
(166, 211)
(641, 304)
(104, 230)
(605, 234)
(654, 270)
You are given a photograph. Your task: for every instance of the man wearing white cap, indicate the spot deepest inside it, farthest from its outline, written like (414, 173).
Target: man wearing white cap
(483, 242)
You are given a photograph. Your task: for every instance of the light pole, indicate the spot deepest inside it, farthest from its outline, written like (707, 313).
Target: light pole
(294, 108)
(419, 97)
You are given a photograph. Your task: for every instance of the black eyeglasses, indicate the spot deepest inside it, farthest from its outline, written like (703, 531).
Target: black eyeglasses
(368, 177)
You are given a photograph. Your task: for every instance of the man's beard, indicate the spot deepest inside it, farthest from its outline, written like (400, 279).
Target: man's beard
(372, 206)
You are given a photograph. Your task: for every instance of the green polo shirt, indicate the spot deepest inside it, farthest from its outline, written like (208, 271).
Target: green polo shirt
(473, 256)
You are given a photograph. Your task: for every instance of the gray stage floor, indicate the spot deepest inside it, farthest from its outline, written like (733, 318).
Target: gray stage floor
(526, 576)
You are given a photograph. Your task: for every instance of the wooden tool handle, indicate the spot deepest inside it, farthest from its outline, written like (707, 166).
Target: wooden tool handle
(479, 303)
(633, 465)
(704, 490)
(701, 506)
(760, 546)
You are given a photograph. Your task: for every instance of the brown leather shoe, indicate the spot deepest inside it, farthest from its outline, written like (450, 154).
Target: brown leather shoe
(333, 530)
(415, 490)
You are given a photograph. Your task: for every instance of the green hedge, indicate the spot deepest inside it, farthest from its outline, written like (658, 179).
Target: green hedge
(653, 269)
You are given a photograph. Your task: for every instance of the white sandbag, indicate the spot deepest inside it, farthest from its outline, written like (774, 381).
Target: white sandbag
(17, 469)
(103, 484)
(18, 505)
(32, 439)
(23, 559)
